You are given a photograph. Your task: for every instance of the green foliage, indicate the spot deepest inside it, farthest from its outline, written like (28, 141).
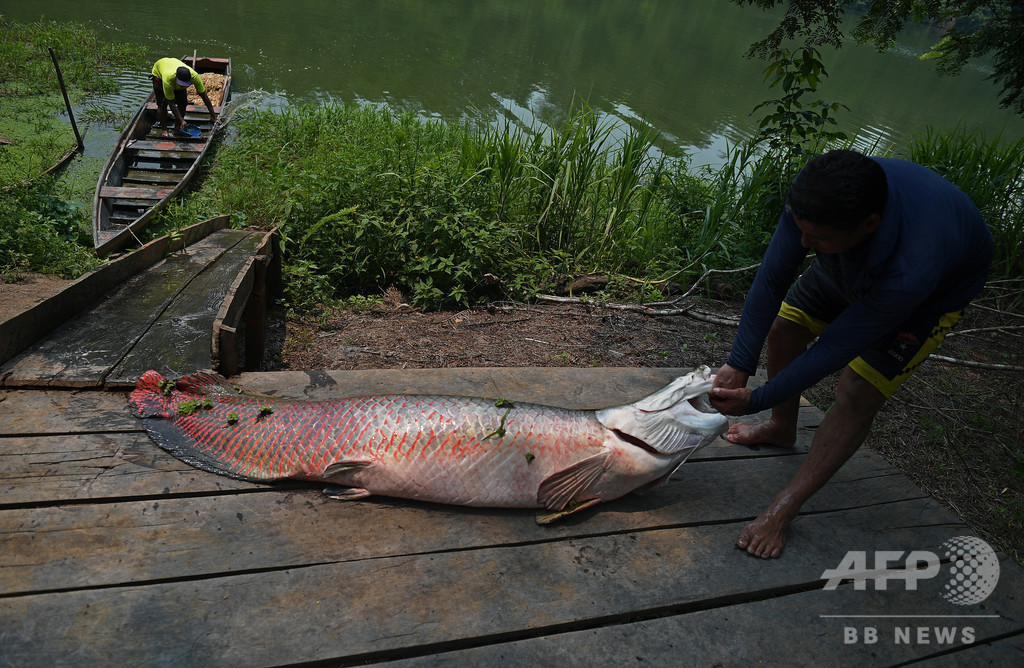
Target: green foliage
(793, 124)
(367, 199)
(39, 232)
(971, 29)
(30, 97)
(27, 69)
(991, 172)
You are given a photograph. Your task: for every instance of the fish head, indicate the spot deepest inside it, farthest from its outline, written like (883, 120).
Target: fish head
(675, 419)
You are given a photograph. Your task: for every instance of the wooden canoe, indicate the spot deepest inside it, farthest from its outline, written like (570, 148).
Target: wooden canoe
(145, 170)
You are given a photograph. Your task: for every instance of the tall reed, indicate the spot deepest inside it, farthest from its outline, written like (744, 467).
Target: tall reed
(991, 172)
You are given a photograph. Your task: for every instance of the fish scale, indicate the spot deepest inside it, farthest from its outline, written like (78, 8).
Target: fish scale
(459, 450)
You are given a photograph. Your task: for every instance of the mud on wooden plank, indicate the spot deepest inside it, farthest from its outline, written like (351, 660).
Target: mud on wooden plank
(382, 608)
(797, 630)
(82, 351)
(207, 535)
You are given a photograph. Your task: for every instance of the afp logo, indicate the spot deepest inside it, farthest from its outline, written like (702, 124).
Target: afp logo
(973, 570)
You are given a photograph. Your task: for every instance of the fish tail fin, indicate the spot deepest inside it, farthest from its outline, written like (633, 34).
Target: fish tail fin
(157, 397)
(674, 419)
(156, 400)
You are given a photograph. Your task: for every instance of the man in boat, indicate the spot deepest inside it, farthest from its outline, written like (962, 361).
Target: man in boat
(899, 252)
(171, 80)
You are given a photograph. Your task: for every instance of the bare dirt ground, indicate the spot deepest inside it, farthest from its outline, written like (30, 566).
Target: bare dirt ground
(955, 430)
(17, 296)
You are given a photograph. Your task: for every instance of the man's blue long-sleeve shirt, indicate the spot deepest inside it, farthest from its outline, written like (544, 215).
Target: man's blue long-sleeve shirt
(931, 254)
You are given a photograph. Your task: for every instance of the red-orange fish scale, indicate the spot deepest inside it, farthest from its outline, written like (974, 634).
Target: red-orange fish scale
(418, 439)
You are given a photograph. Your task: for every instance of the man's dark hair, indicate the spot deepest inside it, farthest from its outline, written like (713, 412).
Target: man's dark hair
(839, 189)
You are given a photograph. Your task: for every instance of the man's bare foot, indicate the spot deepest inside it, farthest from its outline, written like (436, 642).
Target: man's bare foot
(764, 537)
(761, 433)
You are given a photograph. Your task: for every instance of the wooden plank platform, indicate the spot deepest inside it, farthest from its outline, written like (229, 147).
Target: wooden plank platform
(117, 553)
(160, 319)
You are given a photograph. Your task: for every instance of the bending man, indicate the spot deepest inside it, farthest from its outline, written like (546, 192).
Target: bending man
(899, 252)
(171, 79)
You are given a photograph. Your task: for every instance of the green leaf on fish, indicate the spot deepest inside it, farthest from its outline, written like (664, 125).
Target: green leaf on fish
(192, 405)
(232, 418)
(166, 387)
(264, 412)
(500, 431)
(529, 457)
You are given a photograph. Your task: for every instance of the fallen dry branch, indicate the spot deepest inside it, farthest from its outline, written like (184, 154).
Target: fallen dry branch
(1006, 329)
(688, 311)
(977, 365)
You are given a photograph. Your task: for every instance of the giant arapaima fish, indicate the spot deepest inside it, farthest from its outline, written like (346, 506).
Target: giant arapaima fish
(457, 450)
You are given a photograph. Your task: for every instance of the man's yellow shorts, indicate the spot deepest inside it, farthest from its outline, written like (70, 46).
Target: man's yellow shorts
(888, 363)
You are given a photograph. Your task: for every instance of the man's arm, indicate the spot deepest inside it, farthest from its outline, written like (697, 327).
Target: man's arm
(209, 105)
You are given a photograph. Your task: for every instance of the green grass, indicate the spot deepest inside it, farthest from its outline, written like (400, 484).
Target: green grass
(991, 172)
(367, 199)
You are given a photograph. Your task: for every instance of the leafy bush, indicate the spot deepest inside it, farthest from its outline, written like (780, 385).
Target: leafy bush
(39, 232)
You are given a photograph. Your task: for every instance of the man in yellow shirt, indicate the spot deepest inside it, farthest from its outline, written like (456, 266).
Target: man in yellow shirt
(171, 79)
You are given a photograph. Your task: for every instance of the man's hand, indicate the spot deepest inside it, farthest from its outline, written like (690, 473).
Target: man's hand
(728, 394)
(730, 378)
(730, 402)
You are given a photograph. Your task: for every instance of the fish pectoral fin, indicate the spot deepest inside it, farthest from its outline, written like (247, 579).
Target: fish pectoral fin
(344, 466)
(575, 506)
(345, 493)
(570, 485)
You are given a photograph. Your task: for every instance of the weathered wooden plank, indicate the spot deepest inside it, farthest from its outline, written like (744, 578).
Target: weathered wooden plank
(24, 412)
(125, 192)
(82, 351)
(168, 145)
(1000, 653)
(200, 536)
(373, 608)
(50, 469)
(224, 345)
(178, 342)
(794, 630)
(20, 331)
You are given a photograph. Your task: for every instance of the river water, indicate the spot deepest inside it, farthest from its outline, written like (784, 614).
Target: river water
(677, 65)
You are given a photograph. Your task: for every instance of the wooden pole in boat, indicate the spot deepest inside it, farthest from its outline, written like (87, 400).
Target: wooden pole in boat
(67, 102)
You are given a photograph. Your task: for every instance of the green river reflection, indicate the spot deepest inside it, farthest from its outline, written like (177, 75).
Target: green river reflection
(679, 65)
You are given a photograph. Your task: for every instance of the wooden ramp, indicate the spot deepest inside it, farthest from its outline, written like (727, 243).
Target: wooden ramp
(115, 553)
(176, 309)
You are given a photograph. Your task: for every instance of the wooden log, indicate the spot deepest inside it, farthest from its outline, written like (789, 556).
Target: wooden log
(20, 331)
(199, 535)
(375, 609)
